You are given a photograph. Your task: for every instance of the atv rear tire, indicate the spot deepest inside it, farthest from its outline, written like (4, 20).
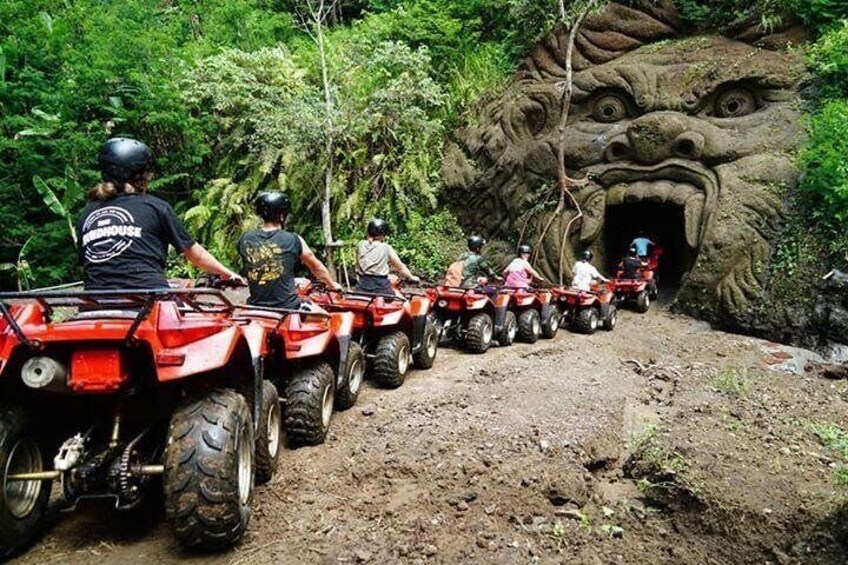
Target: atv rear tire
(643, 302)
(506, 336)
(479, 333)
(209, 472)
(587, 320)
(269, 434)
(354, 374)
(391, 360)
(426, 356)
(24, 503)
(551, 327)
(612, 318)
(529, 326)
(309, 404)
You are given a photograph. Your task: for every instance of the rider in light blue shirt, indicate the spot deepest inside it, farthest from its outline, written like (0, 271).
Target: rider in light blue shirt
(642, 245)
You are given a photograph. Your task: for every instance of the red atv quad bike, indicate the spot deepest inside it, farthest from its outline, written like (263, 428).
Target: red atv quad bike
(307, 353)
(584, 311)
(394, 330)
(472, 318)
(310, 356)
(112, 393)
(533, 312)
(641, 291)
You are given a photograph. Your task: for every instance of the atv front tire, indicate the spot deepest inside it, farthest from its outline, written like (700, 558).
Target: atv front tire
(506, 336)
(354, 374)
(529, 326)
(587, 321)
(24, 503)
(209, 470)
(643, 302)
(269, 434)
(391, 360)
(551, 327)
(612, 318)
(426, 356)
(479, 333)
(309, 404)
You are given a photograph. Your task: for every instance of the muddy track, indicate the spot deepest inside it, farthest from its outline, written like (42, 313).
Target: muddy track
(662, 442)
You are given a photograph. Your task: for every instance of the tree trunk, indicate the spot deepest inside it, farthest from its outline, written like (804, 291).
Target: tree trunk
(327, 201)
(563, 181)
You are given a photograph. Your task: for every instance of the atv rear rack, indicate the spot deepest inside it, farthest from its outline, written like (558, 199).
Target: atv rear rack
(140, 301)
(273, 313)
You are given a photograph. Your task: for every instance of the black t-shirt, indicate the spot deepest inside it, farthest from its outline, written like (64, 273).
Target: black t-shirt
(124, 242)
(269, 259)
(632, 268)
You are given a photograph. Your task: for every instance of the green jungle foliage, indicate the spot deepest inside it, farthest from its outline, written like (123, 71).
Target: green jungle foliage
(228, 94)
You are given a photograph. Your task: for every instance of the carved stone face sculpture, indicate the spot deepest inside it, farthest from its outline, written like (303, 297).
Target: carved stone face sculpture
(688, 141)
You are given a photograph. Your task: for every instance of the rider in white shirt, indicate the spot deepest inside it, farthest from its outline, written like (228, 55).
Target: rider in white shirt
(585, 273)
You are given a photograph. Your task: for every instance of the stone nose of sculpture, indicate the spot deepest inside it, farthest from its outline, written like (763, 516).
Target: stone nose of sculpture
(654, 138)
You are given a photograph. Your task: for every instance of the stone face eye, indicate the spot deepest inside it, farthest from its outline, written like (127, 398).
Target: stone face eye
(609, 108)
(735, 103)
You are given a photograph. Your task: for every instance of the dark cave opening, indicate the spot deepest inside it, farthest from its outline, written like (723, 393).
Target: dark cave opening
(663, 223)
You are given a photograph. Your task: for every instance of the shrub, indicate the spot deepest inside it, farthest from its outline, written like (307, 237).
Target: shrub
(824, 184)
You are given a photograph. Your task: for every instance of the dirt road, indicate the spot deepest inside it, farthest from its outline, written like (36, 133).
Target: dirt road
(662, 442)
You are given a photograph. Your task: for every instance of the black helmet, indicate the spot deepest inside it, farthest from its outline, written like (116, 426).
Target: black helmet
(377, 227)
(272, 205)
(123, 160)
(525, 250)
(476, 242)
(586, 255)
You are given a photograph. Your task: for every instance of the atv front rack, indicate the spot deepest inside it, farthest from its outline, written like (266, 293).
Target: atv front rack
(139, 301)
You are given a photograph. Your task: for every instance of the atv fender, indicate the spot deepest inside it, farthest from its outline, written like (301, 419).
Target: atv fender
(419, 306)
(418, 324)
(207, 354)
(257, 341)
(389, 319)
(25, 315)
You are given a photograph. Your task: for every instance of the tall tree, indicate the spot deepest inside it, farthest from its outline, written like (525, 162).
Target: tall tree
(314, 15)
(570, 17)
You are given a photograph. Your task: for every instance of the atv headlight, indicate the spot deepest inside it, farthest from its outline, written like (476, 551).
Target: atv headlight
(40, 372)
(442, 303)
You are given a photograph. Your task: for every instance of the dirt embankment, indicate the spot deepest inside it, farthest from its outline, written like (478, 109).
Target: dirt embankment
(663, 442)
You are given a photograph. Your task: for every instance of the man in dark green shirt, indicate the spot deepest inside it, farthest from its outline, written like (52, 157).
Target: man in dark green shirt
(474, 264)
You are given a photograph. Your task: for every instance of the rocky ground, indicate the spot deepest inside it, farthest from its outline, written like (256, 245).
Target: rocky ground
(662, 442)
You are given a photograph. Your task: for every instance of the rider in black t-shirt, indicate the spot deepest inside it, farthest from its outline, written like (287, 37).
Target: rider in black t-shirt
(632, 264)
(270, 255)
(124, 232)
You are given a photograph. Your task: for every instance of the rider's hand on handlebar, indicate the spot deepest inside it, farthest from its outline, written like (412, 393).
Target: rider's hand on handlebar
(414, 280)
(335, 286)
(235, 280)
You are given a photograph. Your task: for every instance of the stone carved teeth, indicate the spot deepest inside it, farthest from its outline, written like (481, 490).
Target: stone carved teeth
(685, 195)
(694, 214)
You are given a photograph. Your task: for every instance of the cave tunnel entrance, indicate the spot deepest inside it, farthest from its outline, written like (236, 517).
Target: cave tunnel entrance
(663, 223)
